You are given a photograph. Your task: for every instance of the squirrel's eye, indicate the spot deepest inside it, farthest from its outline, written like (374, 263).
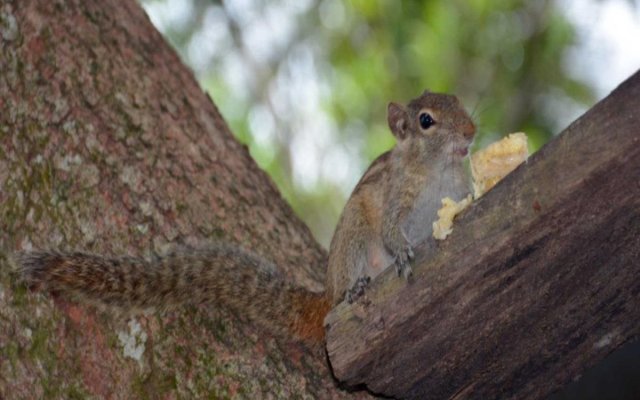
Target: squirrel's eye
(426, 121)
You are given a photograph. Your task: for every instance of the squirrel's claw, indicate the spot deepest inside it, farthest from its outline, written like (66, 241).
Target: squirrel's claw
(357, 289)
(403, 267)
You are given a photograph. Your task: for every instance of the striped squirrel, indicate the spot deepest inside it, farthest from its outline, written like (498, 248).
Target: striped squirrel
(389, 212)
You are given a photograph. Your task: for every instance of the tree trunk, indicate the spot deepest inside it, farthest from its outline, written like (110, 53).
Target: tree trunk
(107, 144)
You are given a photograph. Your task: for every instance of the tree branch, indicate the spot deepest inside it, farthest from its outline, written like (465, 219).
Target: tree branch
(538, 281)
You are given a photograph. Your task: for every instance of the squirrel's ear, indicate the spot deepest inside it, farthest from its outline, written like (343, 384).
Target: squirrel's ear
(397, 118)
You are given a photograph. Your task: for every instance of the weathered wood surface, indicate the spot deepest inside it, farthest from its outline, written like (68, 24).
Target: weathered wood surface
(539, 281)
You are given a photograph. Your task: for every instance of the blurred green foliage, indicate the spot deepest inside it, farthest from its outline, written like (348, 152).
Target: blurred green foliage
(288, 75)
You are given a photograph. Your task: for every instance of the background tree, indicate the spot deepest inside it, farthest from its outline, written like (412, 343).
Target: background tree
(108, 144)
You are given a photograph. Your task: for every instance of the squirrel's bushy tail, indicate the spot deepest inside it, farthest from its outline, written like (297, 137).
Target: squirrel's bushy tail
(222, 275)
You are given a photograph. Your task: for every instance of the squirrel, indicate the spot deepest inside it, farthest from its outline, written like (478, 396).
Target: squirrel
(389, 212)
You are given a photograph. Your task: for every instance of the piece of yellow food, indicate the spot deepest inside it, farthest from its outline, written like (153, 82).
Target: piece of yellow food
(488, 167)
(494, 162)
(450, 208)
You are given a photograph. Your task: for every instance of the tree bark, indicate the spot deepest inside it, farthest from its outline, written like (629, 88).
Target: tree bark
(107, 144)
(538, 281)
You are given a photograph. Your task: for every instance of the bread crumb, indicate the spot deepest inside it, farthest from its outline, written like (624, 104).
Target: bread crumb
(494, 162)
(450, 208)
(488, 167)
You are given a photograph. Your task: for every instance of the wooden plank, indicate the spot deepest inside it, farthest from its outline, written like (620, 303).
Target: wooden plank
(539, 280)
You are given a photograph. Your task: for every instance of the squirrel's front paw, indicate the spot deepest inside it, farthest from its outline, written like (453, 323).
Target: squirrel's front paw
(357, 289)
(400, 249)
(402, 258)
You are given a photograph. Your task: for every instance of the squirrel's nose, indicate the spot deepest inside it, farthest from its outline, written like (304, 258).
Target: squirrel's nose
(468, 130)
